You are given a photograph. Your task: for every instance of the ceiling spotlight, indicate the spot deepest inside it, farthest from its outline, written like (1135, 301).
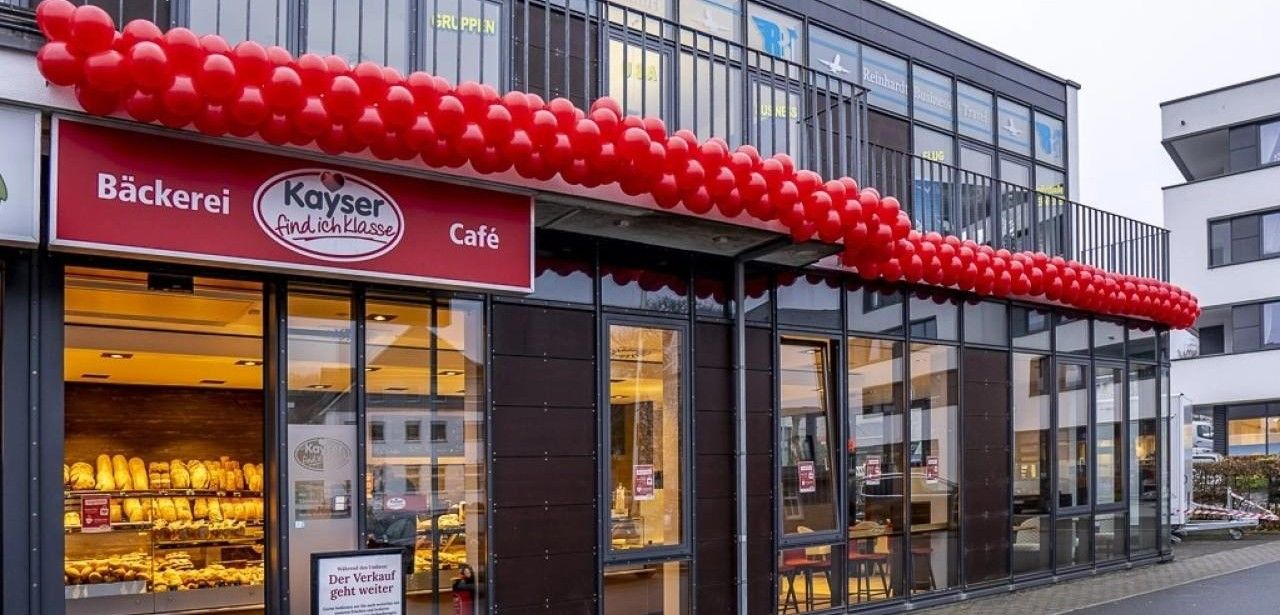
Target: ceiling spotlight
(318, 386)
(617, 397)
(117, 355)
(451, 372)
(208, 381)
(382, 317)
(249, 362)
(372, 368)
(396, 389)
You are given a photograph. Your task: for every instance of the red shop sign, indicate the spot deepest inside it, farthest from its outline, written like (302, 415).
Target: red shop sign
(808, 477)
(95, 513)
(140, 194)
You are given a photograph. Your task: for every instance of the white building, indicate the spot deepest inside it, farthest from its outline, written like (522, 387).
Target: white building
(1225, 248)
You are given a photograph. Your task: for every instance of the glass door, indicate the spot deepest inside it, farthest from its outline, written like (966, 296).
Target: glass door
(1074, 524)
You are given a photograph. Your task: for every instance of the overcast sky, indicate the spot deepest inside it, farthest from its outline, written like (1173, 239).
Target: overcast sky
(1128, 56)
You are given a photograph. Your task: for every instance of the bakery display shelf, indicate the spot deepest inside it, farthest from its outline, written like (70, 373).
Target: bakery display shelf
(210, 542)
(115, 527)
(160, 493)
(450, 531)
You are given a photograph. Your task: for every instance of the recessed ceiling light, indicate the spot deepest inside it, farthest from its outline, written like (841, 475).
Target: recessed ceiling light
(318, 386)
(95, 376)
(382, 317)
(397, 389)
(372, 368)
(249, 362)
(117, 355)
(618, 397)
(460, 391)
(209, 381)
(451, 372)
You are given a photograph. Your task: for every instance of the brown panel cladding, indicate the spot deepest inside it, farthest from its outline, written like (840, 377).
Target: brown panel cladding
(985, 485)
(545, 431)
(522, 531)
(531, 381)
(714, 556)
(534, 331)
(542, 579)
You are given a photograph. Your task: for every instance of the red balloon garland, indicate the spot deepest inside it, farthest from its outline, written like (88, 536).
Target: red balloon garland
(180, 79)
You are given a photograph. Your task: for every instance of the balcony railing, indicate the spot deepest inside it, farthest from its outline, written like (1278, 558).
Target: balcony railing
(692, 78)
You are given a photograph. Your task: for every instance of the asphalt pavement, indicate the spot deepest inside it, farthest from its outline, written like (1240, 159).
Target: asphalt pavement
(1256, 590)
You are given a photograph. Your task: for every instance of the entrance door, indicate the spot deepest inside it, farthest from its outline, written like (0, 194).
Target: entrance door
(321, 414)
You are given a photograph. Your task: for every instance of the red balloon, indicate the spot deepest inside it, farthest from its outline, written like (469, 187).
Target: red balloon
(57, 63)
(217, 81)
(139, 30)
(666, 192)
(54, 19)
(148, 65)
(497, 124)
(608, 121)
(420, 135)
(105, 71)
(559, 154)
(213, 121)
(698, 201)
(372, 85)
(397, 107)
(214, 44)
(565, 113)
(334, 140)
(143, 107)
(249, 109)
(276, 130)
(97, 102)
(279, 56)
(184, 50)
(730, 204)
(311, 119)
(92, 30)
(634, 142)
(368, 127)
(830, 228)
(586, 138)
(181, 99)
(337, 65)
(315, 74)
(251, 62)
(449, 116)
(343, 100)
(283, 90)
(543, 127)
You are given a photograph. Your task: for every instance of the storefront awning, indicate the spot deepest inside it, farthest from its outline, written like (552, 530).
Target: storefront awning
(182, 80)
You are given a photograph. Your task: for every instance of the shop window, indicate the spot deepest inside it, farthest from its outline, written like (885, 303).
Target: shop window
(758, 302)
(427, 496)
(1050, 182)
(876, 493)
(1072, 334)
(934, 316)
(1050, 146)
(661, 588)
(1032, 490)
(374, 31)
(657, 8)
(646, 437)
(933, 459)
(932, 93)
(809, 578)
(808, 299)
(1073, 435)
(636, 77)
(565, 269)
(932, 176)
(1246, 437)
(1109, 536)
(1108, 339)
(233, 20)
(975, 112)
(1013, 126)
(1108, 388)
(885, 77)
(875, 307)
(1144, 459)
(655, 282)
(712, 290)
(1142, 343)
(806, 423)
(1074, 546)
(986, 322)
(164, 427)
(1030, 327)
(716, 18)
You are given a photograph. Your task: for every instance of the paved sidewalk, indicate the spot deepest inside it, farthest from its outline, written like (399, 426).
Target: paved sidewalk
(1108, 587)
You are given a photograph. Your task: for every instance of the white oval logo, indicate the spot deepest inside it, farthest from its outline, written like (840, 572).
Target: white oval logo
(328, 215)
(321, 454)
(394, 503)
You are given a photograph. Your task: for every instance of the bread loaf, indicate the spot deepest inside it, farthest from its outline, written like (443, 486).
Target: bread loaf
(201, 509)
(183, 506)
(217, 479)
(106, 477)
(133, 510)
(179, 477)
(138, 473)
(166, 509)
(115, 515)
(81, 476)
(120, 468)
(215, 510)
(66, 475)
(199, 474)
(238, 512)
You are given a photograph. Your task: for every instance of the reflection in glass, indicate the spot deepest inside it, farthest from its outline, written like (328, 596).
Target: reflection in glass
(805, 424)
(808, 299)
(1144, 454)
(236, 20)
(656, 284)
(1108, 536)
(875, 470)
(425, 373)
(374, 31)
(986, 322)
(659, 588)
(934, 462)
(875, 308)
(1073, 435)
(1030, 327)
(645, 437)
(564, 270)
(636, 75)
(322, 424)
(935, 317)
(1032, 491)
(709, 92)
(1142, 344)
(1074, 541)
(1072, 334)
(1108, 339)
(1108, 443)
(807, 576)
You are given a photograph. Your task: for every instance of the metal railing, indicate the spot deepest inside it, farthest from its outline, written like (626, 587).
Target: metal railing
(691, 78)
(943, 198)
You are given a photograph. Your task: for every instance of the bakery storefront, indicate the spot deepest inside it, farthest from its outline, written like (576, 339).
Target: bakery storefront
(235, 357)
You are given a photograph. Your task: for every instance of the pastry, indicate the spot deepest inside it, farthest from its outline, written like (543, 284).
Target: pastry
(81, 476)
(106, 477)
(120, 469)
(133, 510)
(215, 510)
(116, 515)
(199, 474)
(217, 479)
(71, 518)
(179, 477)
(201, 508)
(138, 473)
(166, 509)
(183, 506)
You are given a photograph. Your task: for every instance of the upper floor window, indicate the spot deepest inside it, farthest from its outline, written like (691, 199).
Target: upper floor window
(374, 31)
(719, 18)
(238, 20)
(1269, 143)
(1049, 141)
(1233, 329)
(833, 54)
(885, 77)
(774, 33)
(974, 112)
(931, 92)
(1244, 238)
(1014, 126)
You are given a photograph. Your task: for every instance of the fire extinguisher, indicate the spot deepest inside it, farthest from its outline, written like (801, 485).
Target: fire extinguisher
(464, 591)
